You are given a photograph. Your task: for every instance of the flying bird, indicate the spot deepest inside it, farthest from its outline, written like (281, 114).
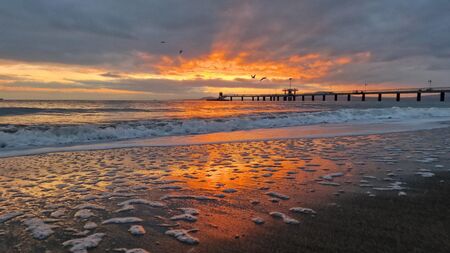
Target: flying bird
(262, 79)
(163, 42)
(180, 52)
(253, 76)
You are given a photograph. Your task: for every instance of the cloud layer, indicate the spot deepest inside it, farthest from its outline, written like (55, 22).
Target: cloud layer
(114, 47)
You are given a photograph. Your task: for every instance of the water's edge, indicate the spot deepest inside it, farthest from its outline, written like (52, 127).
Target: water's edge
(296, 132)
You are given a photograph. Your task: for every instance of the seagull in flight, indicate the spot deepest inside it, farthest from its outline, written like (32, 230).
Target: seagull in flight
(253, 76)
(163, 42)
(262, 79)
(180, 52)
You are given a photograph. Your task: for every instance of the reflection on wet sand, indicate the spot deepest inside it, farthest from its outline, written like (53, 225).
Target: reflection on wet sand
(169, 199)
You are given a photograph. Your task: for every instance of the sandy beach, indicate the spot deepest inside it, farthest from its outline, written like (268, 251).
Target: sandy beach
(369, 193)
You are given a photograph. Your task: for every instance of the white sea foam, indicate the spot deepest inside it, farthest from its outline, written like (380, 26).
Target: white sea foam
(122, 220)
(182, 236)
(81, 245)
(137, 230)
(38, 228)
(286, 219)
(8, 216)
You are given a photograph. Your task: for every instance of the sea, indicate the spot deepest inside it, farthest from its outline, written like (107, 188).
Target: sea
(37, 124)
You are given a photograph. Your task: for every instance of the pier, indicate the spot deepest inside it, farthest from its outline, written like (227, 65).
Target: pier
(293, 95)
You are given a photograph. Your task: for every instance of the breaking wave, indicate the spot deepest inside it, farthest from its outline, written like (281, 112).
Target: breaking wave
(21, 136)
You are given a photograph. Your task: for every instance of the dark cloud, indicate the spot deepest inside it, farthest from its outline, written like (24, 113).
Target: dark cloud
(111, 74)
(96, 32)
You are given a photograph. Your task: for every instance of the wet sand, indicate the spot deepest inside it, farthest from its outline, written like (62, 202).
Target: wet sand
(374, 193)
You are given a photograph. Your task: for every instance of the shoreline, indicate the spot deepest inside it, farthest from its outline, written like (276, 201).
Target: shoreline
(266, 134)
(363, 190)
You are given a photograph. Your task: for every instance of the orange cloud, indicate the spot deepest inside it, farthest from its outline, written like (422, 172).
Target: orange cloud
(47, 72)
(77, 90)
(220, 64)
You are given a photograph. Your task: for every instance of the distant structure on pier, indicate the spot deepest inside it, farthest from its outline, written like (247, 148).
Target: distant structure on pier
(290, 92)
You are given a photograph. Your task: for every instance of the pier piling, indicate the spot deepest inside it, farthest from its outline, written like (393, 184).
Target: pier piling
(291, 95)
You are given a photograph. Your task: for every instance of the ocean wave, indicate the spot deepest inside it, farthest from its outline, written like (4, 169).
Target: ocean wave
(12, 111)
(15, 136)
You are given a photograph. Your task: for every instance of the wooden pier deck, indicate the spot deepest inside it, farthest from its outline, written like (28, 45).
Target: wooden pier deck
(348, 95)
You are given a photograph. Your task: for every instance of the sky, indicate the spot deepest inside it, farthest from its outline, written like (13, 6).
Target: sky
(112, 49)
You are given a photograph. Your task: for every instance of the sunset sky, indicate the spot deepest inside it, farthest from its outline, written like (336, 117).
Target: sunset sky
(73, 49)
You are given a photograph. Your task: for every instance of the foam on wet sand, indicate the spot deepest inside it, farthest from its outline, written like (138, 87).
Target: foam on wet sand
(38, 228)
(122, 220)
(81, 245)
(183, 236)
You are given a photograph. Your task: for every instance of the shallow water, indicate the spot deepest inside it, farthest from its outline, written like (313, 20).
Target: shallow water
(31, 124)
(229, 184)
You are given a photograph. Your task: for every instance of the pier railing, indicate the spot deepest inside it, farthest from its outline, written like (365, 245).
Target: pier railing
(294, 96)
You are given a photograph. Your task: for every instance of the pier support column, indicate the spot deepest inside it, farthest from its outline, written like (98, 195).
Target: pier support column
(231, 98)
(303, 97)
(349, 97)
(419, 96)
(242, 98)
(335, 97)
(397, 97)
(379, 96)
(442, 96)
(363, 97)
(257, 98)
(312, 97)
(294, 98)
(264, 98)
(253, 98)
(324, 97)
(278, 98)
(284, 98)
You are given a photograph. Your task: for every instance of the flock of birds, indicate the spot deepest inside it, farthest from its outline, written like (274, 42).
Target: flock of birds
(179, 52)
(253, 76)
